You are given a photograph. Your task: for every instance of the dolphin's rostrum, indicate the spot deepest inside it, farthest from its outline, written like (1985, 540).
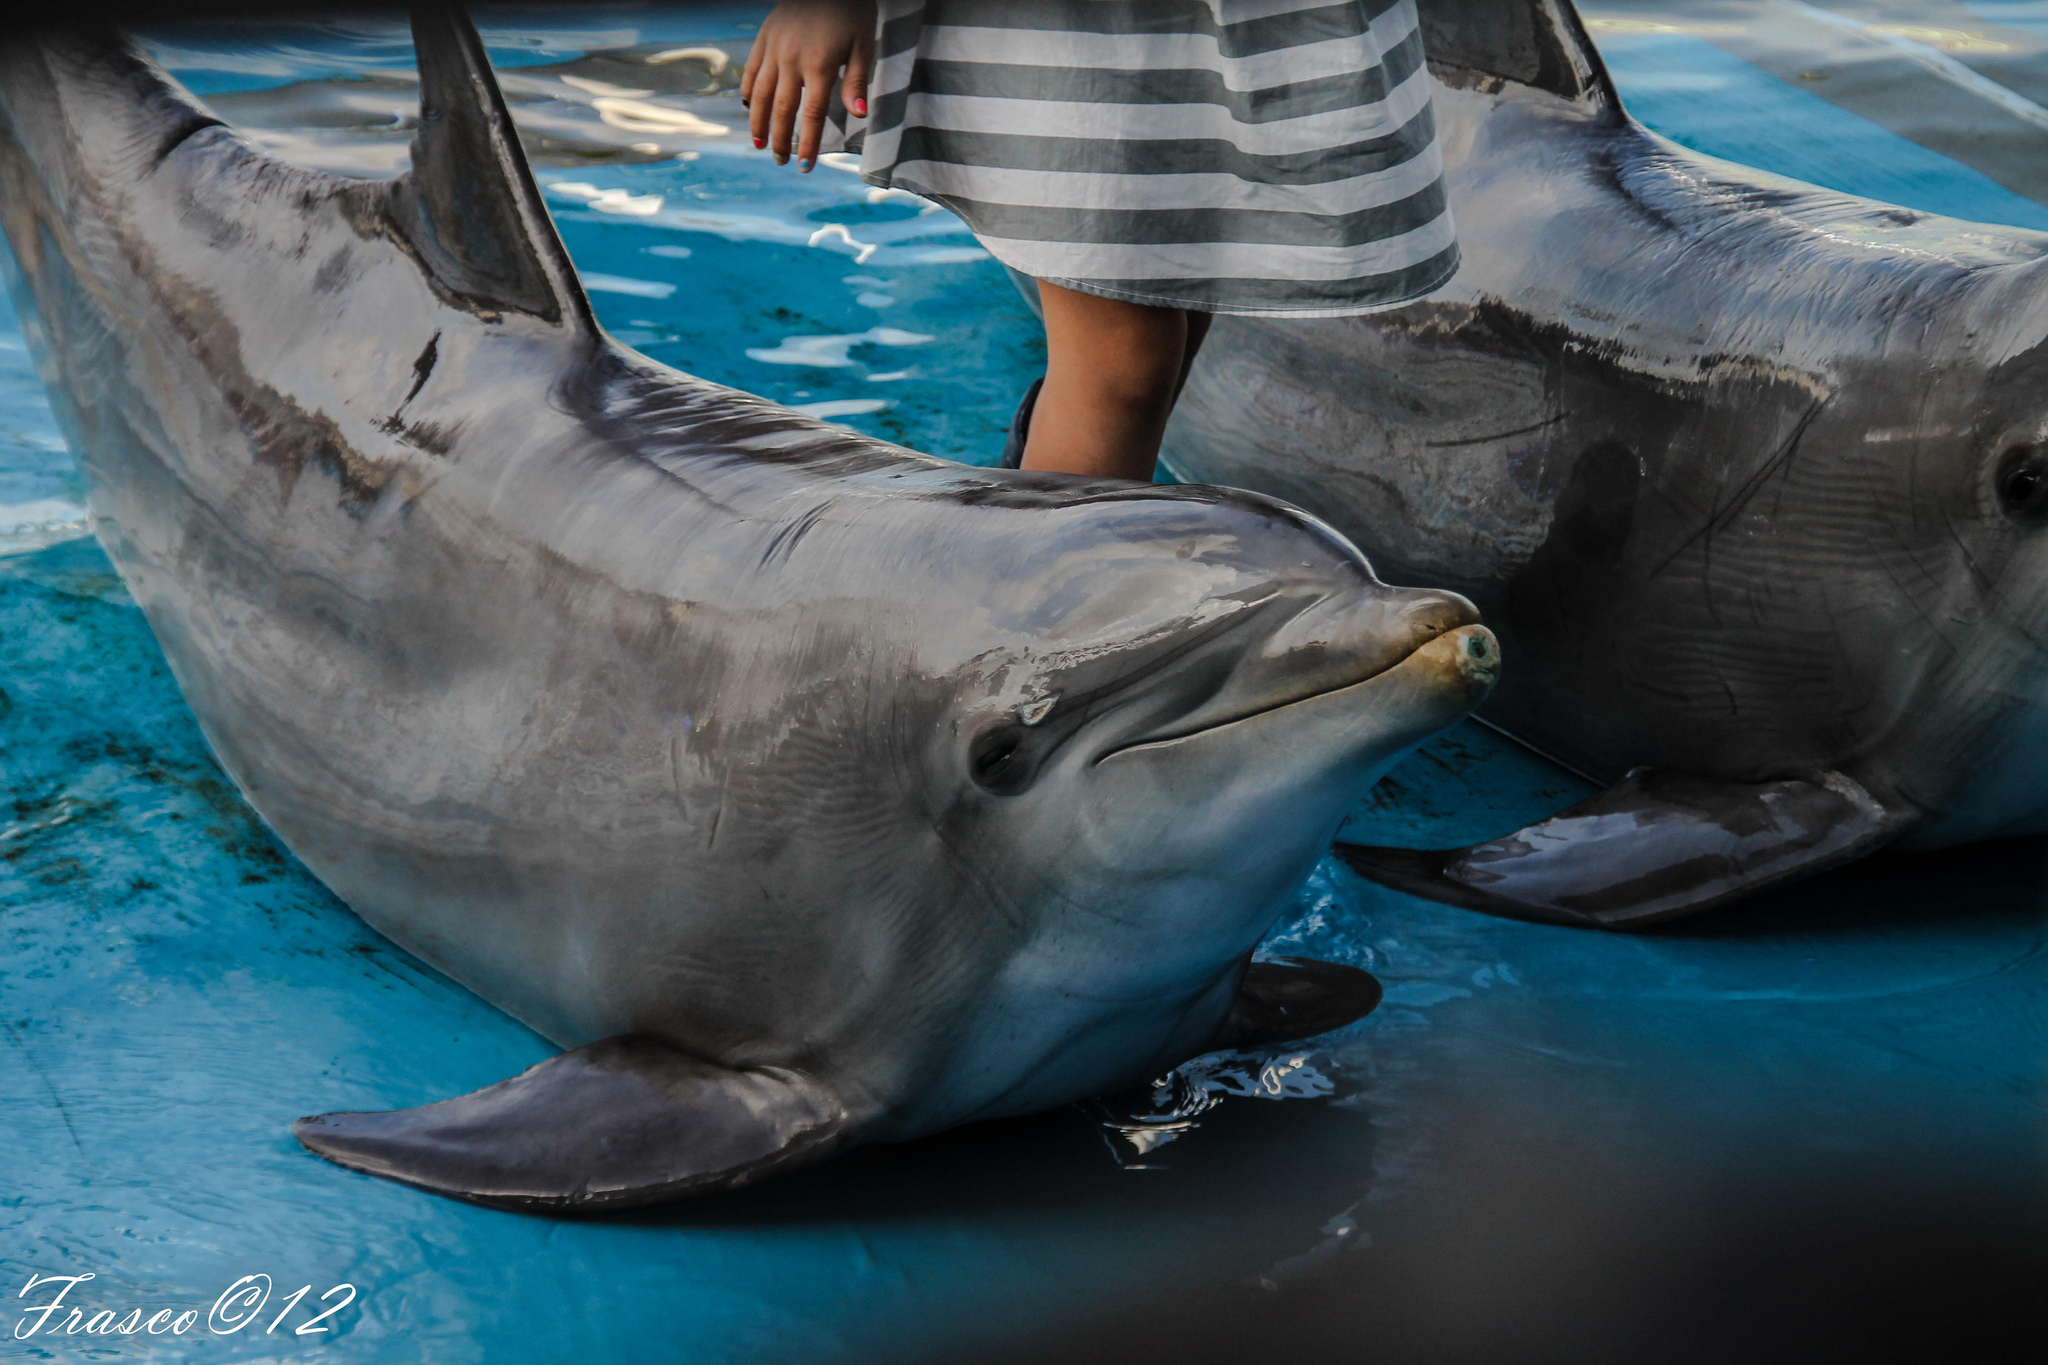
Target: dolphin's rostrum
(811, 790)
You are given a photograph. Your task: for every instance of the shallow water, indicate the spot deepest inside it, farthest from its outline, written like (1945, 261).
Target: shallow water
(175, 987)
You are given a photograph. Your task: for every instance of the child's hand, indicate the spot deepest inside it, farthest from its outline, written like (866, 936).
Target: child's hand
(796, 57)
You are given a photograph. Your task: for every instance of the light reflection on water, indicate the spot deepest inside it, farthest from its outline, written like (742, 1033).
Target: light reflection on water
(1138, 1123)
(42, 498)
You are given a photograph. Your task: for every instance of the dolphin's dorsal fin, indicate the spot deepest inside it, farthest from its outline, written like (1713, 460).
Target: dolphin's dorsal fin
(1537, 43)
(469, 205)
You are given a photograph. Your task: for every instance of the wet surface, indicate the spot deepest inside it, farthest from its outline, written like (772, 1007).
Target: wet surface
(175, 988)
(1939, 105)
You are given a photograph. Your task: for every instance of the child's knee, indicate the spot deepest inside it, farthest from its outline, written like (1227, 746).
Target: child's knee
(1135, 364)
(1109, 354)
(1142, 379)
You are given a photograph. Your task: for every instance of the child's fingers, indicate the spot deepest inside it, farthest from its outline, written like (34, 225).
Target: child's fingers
(817, 95)
(860, 64)
(747, 75)
(759, 106)
(789, 97)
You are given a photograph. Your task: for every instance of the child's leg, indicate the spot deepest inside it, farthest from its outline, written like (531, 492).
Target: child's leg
(1112, 372)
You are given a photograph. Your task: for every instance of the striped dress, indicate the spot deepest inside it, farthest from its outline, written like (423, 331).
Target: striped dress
(1228, 156)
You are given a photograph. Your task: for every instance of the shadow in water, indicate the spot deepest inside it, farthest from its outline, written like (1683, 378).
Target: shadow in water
(1062, 1165)
(1525, 1251)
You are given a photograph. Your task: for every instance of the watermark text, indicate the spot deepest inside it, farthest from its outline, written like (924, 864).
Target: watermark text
(243, 1304)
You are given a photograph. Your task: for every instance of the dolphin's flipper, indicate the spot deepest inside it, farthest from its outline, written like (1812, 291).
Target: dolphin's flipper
(1655, 846)
(621, 1122)
(1286, 999)
(469, 205)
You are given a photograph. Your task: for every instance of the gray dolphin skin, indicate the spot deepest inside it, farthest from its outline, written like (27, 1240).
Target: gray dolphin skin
(811, 790)
(1751, 478)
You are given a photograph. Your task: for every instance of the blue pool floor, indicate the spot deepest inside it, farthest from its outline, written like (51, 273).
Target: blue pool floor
(1532, 1135)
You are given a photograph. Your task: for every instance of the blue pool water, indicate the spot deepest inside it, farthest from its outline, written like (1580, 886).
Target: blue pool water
(174, 988)
(1684, 86)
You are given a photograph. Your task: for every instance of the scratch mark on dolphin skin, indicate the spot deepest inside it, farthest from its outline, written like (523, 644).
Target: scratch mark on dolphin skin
(1977, 575)
(675, 774)
(432, 437)
(784, 542)
(422, 369)
(724, 784)
(1499, 435)
(971, 871)
(44, 1076)
(1723, 517)
(1912, 599)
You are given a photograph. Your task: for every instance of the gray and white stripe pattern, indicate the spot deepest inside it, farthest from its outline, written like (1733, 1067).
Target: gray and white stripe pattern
(1230, 156)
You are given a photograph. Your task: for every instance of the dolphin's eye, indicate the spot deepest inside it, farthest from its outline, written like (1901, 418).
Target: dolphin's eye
(998, 761)
(2023, 484)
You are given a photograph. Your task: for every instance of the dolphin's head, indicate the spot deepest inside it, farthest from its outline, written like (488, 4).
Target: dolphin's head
(1176, 697)
(1194, 689)
(1954, 480)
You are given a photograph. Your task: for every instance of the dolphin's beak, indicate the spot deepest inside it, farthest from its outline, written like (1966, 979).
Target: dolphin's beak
(1361, 726)
(1272, 787)
(1220, 823)
(1337, 643)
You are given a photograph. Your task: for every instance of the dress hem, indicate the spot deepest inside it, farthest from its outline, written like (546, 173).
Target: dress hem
(1206, 306)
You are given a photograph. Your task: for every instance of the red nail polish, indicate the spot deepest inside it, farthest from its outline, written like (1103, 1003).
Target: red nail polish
(861, 107)
(759, 143)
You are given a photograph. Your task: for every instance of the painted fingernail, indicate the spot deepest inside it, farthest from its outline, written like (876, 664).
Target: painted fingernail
(759, 143)
(803, 163)
(861, 107)
(745, 105)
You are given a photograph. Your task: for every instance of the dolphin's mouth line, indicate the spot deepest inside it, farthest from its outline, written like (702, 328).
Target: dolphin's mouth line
(1174, 737)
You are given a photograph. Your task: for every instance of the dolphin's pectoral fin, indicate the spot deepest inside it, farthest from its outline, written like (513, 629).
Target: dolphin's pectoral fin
(621, 1122)
(1286, 999)
(1655, 846)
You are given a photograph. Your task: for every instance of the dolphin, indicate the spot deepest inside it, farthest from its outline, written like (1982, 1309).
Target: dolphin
(807, 790)
(1751, 478)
